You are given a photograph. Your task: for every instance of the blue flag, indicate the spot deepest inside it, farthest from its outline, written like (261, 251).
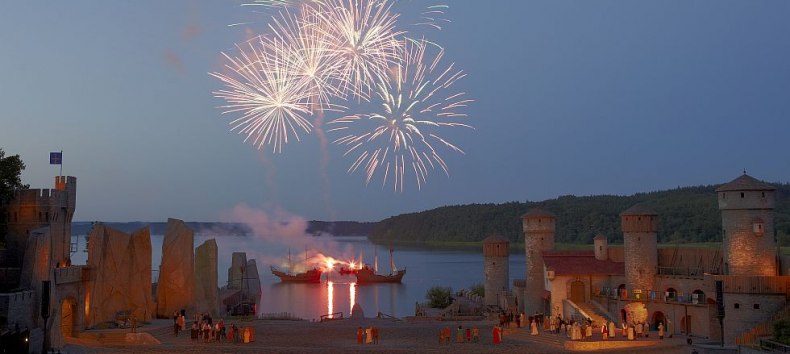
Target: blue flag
(56, 158)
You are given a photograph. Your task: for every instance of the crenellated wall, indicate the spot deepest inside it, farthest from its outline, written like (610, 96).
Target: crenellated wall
(33, 209)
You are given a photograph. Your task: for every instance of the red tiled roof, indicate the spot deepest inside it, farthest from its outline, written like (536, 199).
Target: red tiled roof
(495, 238)
(580, 263)
(538, 213)
(745, 183)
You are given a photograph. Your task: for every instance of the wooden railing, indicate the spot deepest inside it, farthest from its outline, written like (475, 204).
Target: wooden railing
(764, 329)
(332, 316)
(744, 284)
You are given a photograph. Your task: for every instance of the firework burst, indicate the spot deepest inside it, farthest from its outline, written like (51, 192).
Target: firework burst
(309, 55)
(271, 97)
(362, 34)
(417, 103)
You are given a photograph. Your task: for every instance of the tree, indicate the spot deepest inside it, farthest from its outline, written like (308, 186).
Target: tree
(11, 168)
(438, 297)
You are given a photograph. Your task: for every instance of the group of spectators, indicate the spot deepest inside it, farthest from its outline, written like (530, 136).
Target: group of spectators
(204, 327)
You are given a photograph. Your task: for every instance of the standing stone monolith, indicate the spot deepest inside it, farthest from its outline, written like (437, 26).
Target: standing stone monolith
(237, 264)
(206, 290)
(252, 282)
(121, 275)
(175, 290)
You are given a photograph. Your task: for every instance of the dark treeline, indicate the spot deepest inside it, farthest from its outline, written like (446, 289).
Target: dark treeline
(340, 228)
(337, 228)
(688, 214)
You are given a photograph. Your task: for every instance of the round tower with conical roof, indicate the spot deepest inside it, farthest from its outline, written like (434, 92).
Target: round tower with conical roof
(640, 246)
(747, 221)
(539, 228)
(496, 252)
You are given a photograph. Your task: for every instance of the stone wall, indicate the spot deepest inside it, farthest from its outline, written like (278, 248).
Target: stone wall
(641, 259)
(746, 252)
(18, 308)
(698, 318)
(746, 315)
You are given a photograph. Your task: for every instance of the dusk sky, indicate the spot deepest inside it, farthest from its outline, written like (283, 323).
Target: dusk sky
(571, 97)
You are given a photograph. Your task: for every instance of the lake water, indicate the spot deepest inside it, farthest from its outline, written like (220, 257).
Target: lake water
(426, 267)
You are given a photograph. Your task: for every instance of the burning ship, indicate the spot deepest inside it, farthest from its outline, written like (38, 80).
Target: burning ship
(310, 276)
(368, 275)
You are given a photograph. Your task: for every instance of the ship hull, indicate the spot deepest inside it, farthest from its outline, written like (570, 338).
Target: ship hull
(367, 276)
(310, 276)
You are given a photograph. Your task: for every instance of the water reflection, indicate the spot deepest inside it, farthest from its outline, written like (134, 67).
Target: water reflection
(330, 299)
(352, 297)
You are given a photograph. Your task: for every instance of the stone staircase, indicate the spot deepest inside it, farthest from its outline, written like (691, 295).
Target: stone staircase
(593, 313)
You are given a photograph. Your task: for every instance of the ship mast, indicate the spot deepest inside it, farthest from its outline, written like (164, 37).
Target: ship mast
(290, 265)
(393, 270)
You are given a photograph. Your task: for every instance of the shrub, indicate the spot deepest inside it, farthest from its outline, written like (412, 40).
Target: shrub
(438, 296)
(782, 331)
(478, 289)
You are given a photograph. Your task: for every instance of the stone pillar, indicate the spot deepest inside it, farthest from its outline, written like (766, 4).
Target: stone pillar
(175, 290)
(206, 287)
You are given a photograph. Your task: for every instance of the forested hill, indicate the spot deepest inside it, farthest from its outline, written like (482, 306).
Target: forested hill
(688, 214)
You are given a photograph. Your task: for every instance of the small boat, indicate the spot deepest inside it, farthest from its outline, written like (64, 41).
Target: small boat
(367, 275)
(310, 276)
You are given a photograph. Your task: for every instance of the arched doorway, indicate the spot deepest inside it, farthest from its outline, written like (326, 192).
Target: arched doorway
(68, 317)
(658, 317)
(577, 291)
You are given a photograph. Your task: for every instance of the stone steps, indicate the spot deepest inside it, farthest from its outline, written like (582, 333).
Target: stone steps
(597, 319)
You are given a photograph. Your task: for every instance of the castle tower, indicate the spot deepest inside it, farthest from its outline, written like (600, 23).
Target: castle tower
(496, 250)
(747, 221)
(33, 209)
(601, 247)
(539, 228)
(640, 247)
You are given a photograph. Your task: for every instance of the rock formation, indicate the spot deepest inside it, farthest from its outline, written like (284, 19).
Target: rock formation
(121, 275)
(244, 283)
(175, 290)
(237, 264)
(206, 290)
(252, 282)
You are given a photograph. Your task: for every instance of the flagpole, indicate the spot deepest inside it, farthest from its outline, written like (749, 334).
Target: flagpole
(61, 163)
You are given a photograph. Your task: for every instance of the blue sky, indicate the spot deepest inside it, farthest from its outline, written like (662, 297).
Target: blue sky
(571, 97)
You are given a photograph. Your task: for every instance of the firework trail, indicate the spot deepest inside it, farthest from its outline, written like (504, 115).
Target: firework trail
(417, 102)
(271, 97)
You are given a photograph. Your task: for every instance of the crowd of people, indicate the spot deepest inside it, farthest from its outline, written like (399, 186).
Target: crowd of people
(205, 328)
(583, 329)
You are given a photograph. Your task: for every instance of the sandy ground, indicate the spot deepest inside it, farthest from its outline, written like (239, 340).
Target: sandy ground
(340, 337)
